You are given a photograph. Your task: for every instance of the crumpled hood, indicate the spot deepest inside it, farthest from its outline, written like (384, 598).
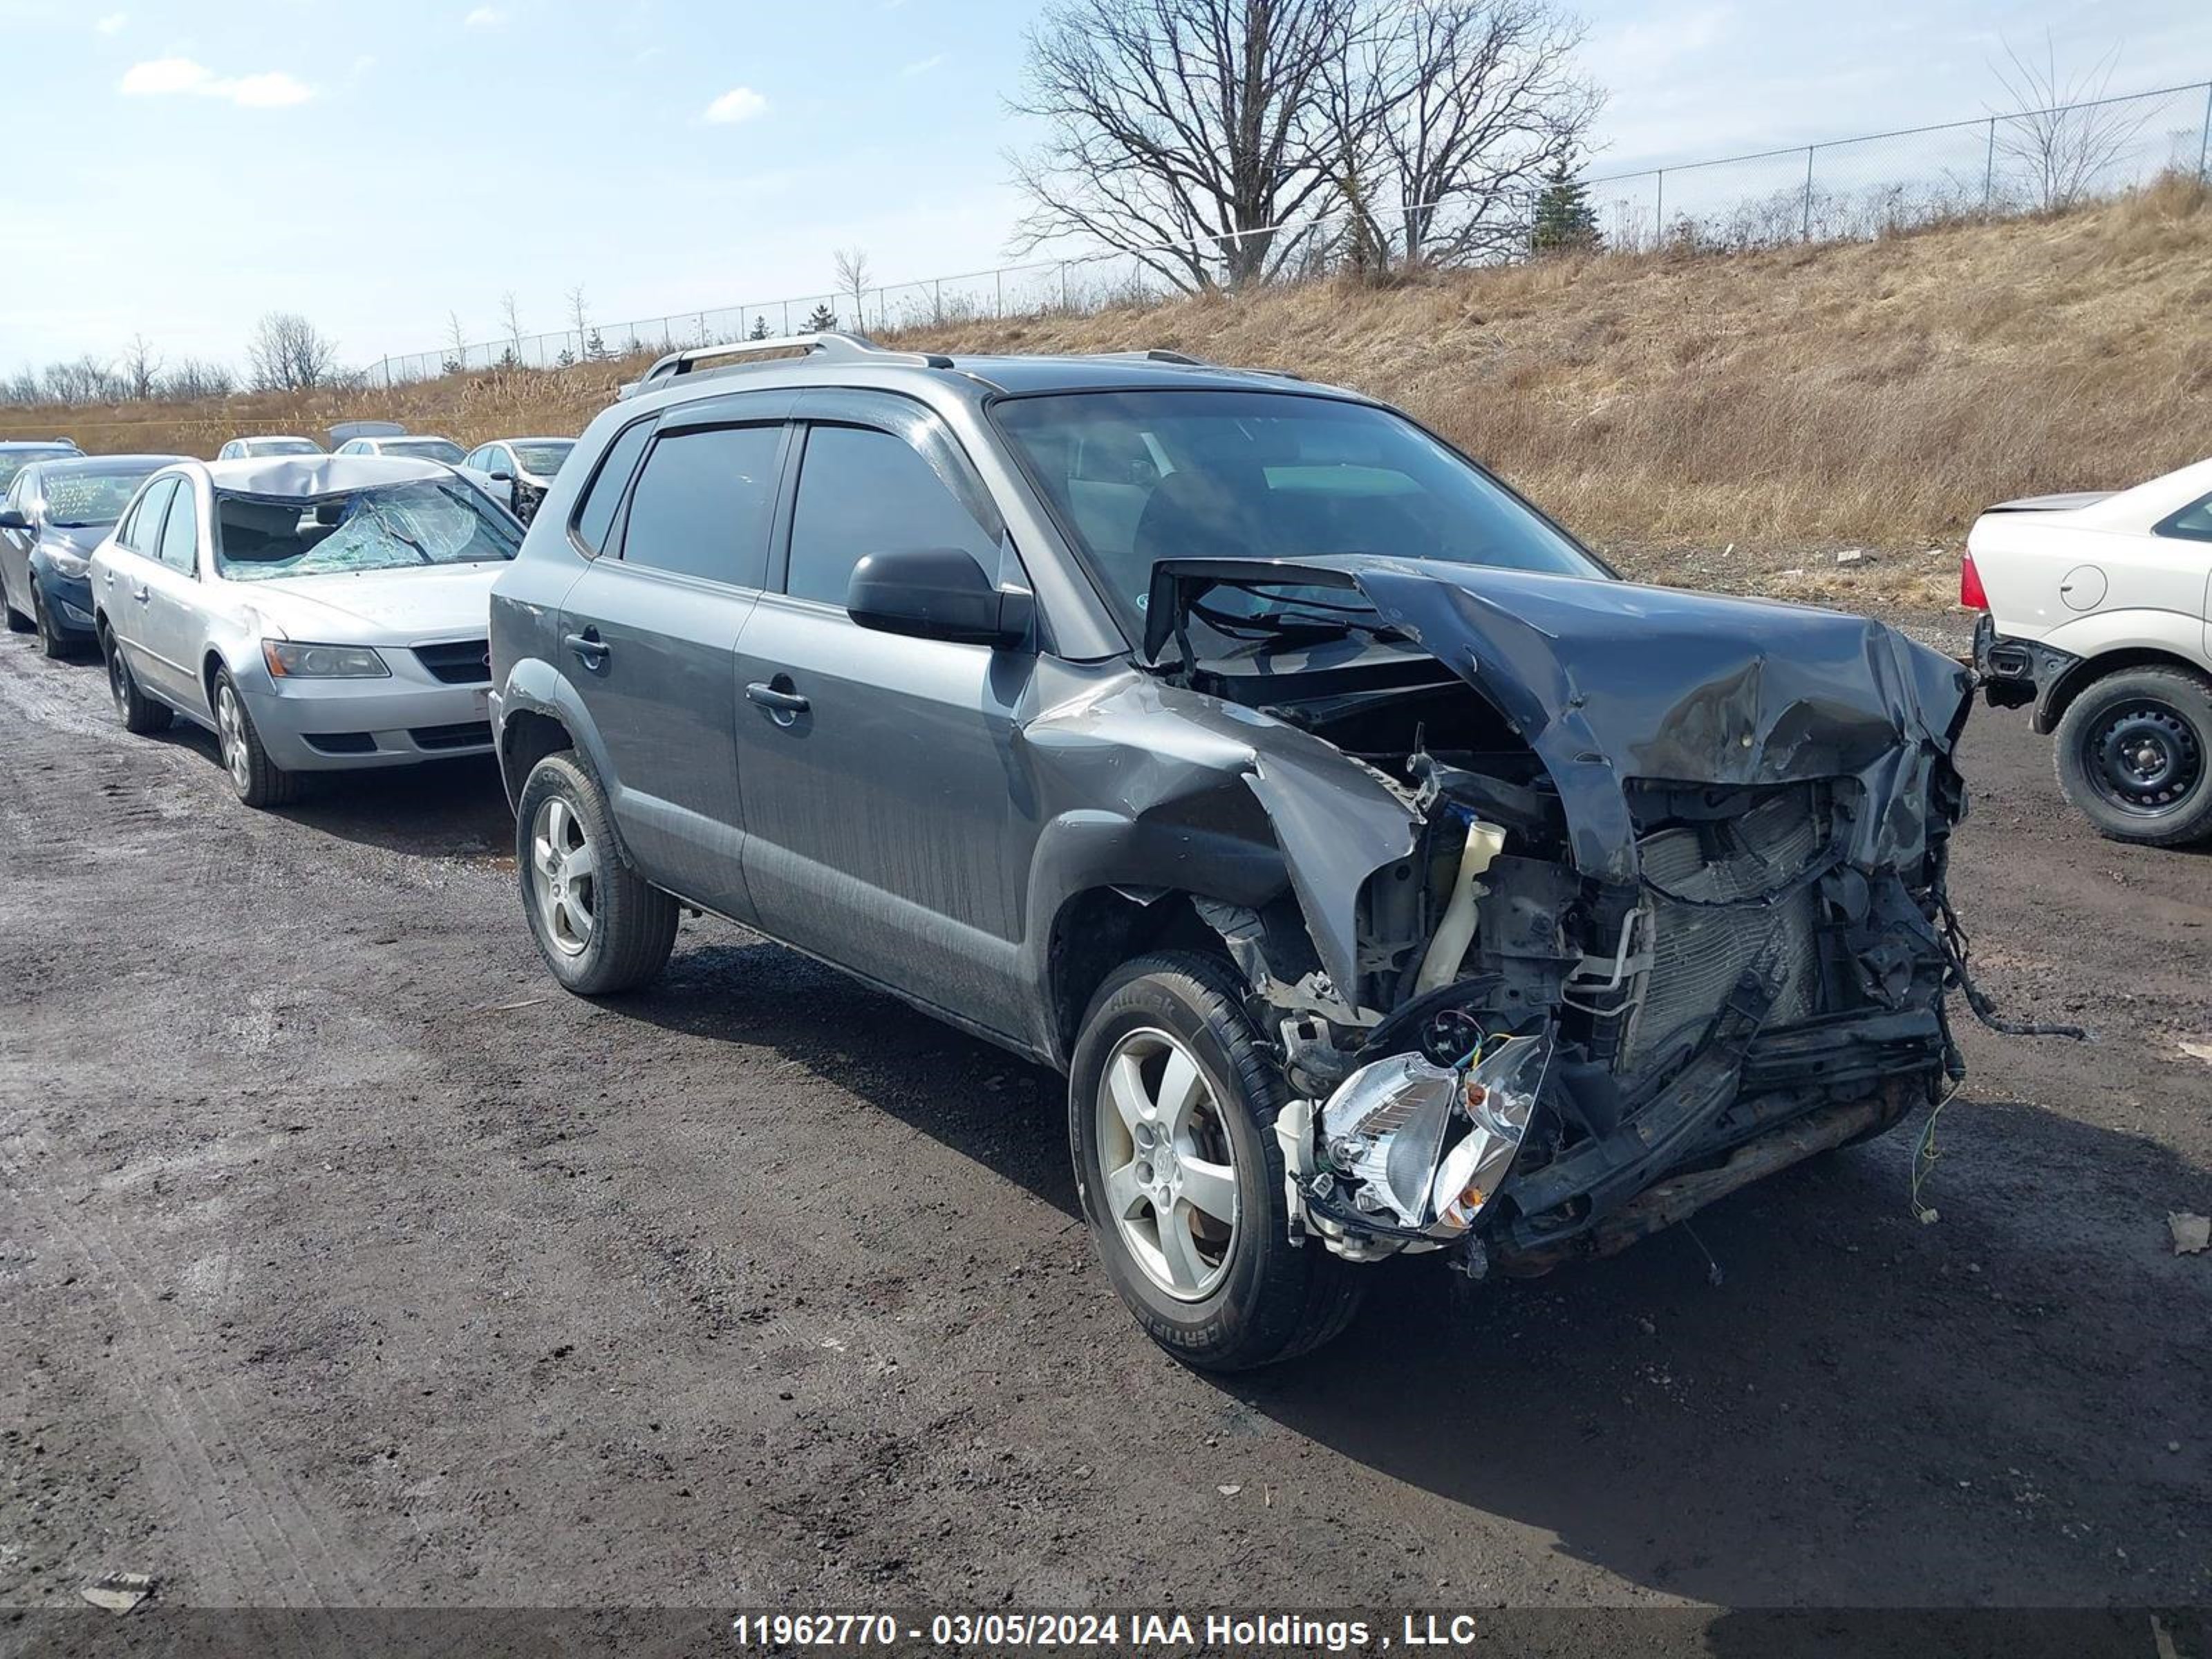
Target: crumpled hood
(373, 607)
(1612, 681)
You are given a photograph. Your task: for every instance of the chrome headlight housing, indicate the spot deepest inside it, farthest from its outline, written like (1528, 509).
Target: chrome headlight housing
(299, 659)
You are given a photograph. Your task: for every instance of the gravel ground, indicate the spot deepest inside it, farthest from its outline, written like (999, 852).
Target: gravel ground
(345, 1260)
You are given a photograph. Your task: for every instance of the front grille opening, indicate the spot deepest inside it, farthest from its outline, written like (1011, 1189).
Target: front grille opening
(341, 743)
(469, 734)
(459, 662)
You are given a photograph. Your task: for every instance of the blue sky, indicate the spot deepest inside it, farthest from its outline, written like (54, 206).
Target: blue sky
(183, 167)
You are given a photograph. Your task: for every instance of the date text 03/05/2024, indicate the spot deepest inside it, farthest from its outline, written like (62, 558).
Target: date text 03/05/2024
(1271, 1632)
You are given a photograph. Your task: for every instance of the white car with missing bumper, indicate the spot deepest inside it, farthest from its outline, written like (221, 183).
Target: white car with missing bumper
(2098, 609)
(317, 613)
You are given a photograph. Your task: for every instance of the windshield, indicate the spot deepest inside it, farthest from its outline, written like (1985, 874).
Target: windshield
(403, 527)
(79, 499)
(434, 449)
(280, 447)
(543, 460)
(1138, 477)
(13, 461)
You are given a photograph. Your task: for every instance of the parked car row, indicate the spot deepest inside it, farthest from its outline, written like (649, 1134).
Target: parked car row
(1387, 876)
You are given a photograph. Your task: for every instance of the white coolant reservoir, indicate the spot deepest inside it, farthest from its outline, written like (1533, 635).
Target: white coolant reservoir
(1455, 933)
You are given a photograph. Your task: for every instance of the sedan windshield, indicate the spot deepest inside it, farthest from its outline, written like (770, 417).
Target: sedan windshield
(433, 449)
(1138, 477)
(543, 460)
(280, 447)
(79, 498)
(13, 461)
(402, 526)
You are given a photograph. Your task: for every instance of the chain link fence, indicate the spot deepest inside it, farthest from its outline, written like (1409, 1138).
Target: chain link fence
(1846, 189)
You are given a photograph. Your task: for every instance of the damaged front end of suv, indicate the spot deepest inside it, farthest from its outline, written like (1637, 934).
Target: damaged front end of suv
(1604, 900)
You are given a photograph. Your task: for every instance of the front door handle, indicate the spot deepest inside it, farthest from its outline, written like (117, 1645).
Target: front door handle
(590, 648)
(783, 704)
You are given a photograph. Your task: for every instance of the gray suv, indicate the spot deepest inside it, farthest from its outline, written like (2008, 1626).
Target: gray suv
(1386, 877)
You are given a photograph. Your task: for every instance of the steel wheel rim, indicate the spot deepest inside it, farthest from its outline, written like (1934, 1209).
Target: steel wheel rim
(564, 877)
(2144, 758)
(230, 724)
(1167, 1163)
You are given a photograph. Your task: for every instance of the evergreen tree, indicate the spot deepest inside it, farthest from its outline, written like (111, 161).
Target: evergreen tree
(760, 329)
(1565, 221)
(596, 349)
(823, 320)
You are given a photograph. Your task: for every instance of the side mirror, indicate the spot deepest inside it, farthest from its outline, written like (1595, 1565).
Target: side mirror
(500, 477)
(11, 519)
(935, 593)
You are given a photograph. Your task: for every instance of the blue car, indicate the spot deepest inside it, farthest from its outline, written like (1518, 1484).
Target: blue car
(57, 512)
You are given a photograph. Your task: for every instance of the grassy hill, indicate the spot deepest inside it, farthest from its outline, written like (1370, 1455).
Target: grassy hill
(1669, 405)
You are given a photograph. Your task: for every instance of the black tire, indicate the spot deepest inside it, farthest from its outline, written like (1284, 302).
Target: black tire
(50, 642)
(256, 780)
(632, 923)
(139, 713)
(17, 622)
(2135, 754)
(1273, 1300)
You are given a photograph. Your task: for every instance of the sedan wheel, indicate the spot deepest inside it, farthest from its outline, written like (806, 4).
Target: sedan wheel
(230, 726)
(564, 869)
(2135, 754)
(1169, 1167)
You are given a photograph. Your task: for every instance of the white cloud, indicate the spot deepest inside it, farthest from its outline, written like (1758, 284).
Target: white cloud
(738, 104)
(925, 66)
(113, 23)
(485, 17)
(161, 77)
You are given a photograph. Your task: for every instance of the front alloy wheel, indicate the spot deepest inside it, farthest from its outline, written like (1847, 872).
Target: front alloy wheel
(1169, 1165)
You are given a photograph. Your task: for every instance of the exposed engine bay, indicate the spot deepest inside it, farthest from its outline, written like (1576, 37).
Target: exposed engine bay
(1660, 907)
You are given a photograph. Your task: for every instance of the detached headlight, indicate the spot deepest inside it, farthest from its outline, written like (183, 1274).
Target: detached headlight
(291, 659)
(69, 565)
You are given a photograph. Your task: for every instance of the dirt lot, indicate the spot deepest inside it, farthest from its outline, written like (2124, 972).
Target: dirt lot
(344, 1259)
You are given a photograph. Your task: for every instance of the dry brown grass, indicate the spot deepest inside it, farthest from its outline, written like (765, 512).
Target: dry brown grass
(1871, 393)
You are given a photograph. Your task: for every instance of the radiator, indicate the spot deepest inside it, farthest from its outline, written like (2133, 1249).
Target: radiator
(1697, 954)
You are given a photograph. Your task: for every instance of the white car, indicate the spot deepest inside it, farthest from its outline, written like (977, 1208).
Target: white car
(518, 471)
(314, 612)
(415, 446)
(272, 443)
(2097, 609)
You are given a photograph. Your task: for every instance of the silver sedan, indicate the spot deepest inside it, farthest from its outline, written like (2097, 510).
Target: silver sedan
(315, 612)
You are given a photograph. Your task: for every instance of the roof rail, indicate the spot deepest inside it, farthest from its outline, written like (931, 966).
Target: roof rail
(1153, 354)
(827, 342)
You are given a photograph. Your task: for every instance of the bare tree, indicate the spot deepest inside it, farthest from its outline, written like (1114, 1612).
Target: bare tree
(192, 379)
(142, 368)
(288, 353)
(513, 318)
(86, 379)
(1450, 113)
(581, 317)
(2057, 135)
(1183, 132)
(457, 336)
(853, 278)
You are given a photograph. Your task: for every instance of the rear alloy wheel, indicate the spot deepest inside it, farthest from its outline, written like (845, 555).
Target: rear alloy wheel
(139, 713)
(258, 780)
(2135, 754)
(600, 926)
(1171, 1107)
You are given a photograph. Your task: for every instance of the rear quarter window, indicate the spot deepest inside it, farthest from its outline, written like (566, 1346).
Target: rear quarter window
(595, 509)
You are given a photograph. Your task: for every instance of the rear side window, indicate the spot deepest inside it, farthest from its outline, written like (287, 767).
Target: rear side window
(142, 530)
(180, 538)
(862, 491)
(2192, 523)
(702, 504)
(595, 514)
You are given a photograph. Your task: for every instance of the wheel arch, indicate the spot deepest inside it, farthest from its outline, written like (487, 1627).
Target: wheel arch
(2068, 688)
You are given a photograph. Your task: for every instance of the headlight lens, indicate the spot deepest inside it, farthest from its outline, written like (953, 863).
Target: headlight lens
(294, 660)
(71, 565)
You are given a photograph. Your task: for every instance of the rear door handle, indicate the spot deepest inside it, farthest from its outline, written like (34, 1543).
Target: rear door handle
(588, 646)
(775, 700)
(141, 594)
